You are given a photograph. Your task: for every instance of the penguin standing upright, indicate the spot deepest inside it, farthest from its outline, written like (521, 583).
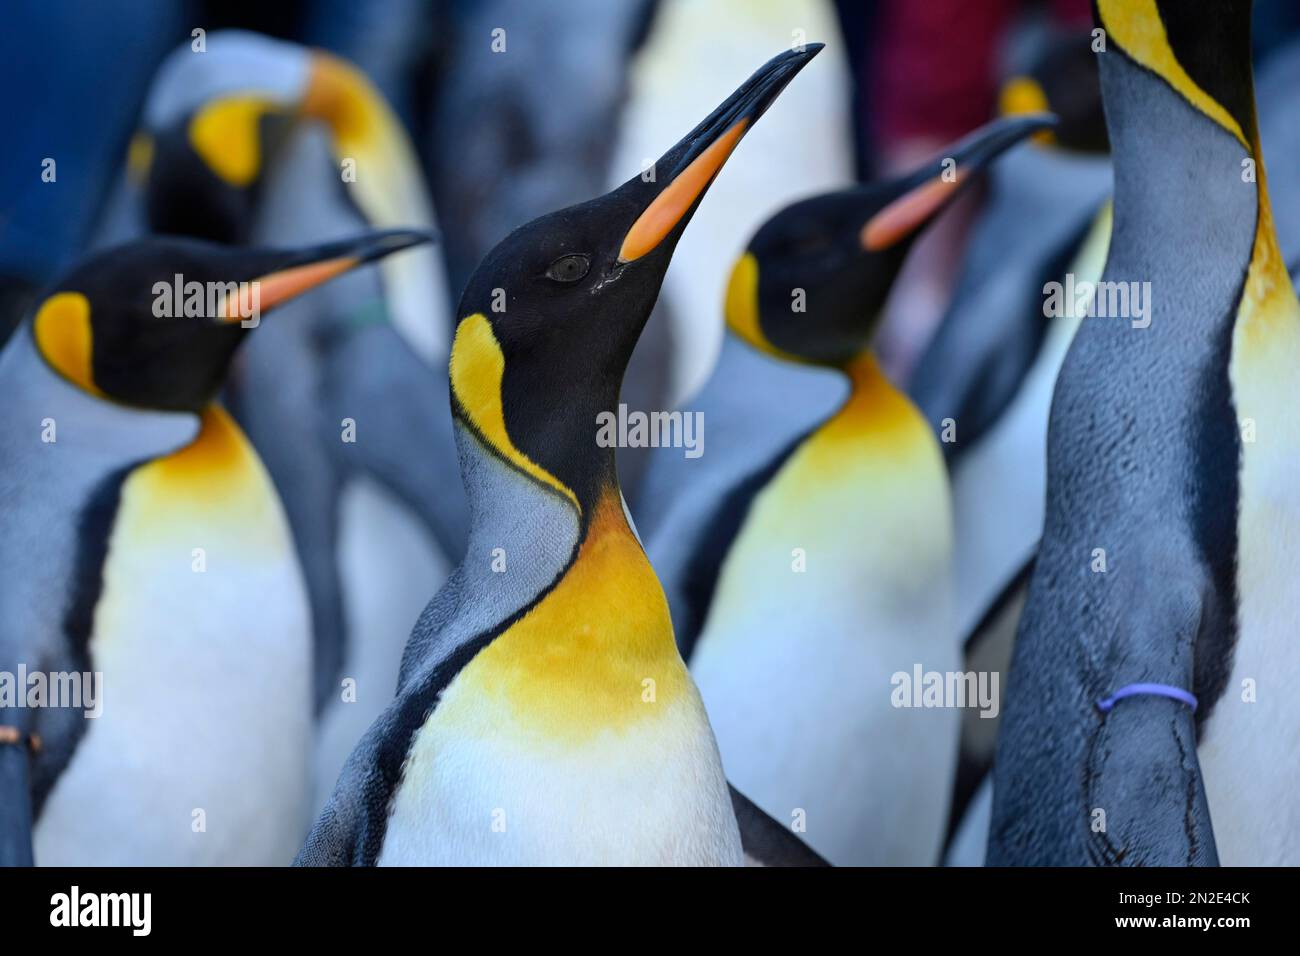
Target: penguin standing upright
(837, 577)
(1151, 718)
(263, 141)
(143, 540)
(544, 714)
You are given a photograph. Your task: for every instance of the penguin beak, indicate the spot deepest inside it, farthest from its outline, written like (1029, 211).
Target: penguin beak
(924, 193)
(688, 169)
(303, 270)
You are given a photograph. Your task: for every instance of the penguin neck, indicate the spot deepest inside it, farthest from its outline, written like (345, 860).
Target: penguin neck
(873, 405)
(216, 462)
(589, 484)
(551, 439)
(1200, 56)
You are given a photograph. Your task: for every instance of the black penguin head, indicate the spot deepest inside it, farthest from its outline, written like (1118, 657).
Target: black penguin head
(1061, 77)
(155, 323)
(185, 193)
(214, 121)
(550, 317)
(812, 282)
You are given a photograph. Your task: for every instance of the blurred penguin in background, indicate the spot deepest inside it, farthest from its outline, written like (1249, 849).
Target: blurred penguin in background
(262, 140)
(832, 559)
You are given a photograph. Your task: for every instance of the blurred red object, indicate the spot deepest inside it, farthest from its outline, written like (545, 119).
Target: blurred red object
(935, 63)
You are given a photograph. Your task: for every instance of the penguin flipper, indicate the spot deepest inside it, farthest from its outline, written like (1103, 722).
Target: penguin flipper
(350, 829)
(16, 798)
(765, 841)
(1141, 767)
(1145, 775)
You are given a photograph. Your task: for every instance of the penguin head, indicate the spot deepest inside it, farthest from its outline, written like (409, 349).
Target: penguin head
(155, 323)
(814, 278)
(549, 318)
(214, 120)
(1061, 77)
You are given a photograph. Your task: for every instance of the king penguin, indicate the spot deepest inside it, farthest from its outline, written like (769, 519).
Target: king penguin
(266, 142)
(143, 541)
(999, 462)
(544, 715)
(1150, 717)
(834, 573)
(985, 381)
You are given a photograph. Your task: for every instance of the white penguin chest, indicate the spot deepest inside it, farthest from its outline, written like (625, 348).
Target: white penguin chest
(840, 579)
(1250, 746)
(575, 737)
(654, 795)
(202, 633)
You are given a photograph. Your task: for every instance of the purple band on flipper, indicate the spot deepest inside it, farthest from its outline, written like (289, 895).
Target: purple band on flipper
(1157, 690)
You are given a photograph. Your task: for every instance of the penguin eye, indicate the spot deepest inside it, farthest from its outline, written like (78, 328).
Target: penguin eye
(568, 268)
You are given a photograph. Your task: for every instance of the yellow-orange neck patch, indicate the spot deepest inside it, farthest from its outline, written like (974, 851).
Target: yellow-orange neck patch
(339, 95)
(875, 409)
(597, 653)
(213, 494)
(64, 338)
(477, 368)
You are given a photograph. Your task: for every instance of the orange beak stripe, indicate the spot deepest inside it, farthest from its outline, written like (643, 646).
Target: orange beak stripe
(279, 287)
(678, 196)
(907, 213)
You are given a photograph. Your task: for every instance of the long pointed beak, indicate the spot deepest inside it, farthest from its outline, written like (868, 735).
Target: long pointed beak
(928, 190)
(302, 270)
(688, 169)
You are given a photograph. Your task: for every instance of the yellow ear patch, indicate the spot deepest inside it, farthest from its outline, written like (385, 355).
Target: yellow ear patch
(741, 308)
(477, 368)
(1136, 26)
(63, 336)
(225, 135)
(1023, 94)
